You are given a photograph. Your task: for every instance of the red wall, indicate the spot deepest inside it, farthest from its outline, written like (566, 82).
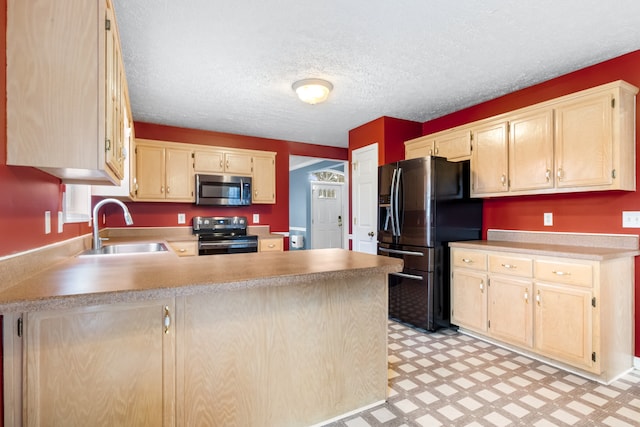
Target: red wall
(147, 214)
(25, 193)
(390, 134)
(596, 212)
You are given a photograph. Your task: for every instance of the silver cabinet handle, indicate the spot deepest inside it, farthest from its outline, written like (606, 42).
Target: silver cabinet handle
(467, 261)
(407, 276)
(561, 273)
(559, 174)
(526, 296)
(482, 286)
(399, 252)
(167, 319)
(510, 266)
(538, 298)
(503, 180)
(547, 175)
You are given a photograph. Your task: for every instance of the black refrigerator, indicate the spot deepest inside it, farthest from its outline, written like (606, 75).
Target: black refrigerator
(423, 205)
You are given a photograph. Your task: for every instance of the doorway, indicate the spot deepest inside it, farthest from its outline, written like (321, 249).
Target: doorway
(329, 174)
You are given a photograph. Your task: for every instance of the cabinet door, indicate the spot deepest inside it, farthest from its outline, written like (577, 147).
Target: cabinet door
(454, 145)
(264, 179)
(179, 174)
(469, 299)
(531, 151)
(420, 147)
(584, 145)
(102, 365)
(150, 172)
(209, 161)
(563, 324)
(489, 160)
(511, 310)
(237, 163)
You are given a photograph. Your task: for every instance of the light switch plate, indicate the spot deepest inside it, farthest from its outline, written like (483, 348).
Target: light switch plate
(181, 218)
(256, 218)
(47, 222)
(548, 219)
(630, 219)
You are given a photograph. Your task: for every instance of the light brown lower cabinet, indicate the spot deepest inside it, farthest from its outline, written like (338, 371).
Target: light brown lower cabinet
(577, 313)
(263, 356)
(103, 365)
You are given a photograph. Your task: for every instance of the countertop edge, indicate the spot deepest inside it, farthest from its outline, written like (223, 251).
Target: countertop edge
(540, 249)
(55, 302)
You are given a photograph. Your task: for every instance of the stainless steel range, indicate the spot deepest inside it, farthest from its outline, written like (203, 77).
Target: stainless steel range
(223, 235)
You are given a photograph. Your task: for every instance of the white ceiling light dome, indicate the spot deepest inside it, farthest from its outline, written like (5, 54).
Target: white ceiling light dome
(312, 91)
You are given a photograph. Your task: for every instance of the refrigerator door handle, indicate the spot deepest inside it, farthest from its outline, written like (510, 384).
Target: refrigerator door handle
(407, 276)
(391, 194)
(397, 196)
(399, 252)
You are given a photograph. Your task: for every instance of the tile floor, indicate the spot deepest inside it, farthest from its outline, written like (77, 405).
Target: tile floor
(450, 379)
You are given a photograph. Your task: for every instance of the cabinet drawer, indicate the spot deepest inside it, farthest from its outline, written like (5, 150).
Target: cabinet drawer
(512, 265)
(185, 248)
(266, 245)
(564, 272)
(469, 259)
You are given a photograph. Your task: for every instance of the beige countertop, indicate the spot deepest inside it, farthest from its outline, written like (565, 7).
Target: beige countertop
(543, 249)
(117, 278)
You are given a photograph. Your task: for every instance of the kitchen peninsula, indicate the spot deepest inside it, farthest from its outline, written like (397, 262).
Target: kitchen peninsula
(259, 339)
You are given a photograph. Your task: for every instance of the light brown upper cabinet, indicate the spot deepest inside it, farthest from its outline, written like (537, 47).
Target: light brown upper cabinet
(489, 159)
(65, 86)
(163, 172)
(452, 144)
(580, 142)
(264, 178)
(531, 151)
(219, 160)
(595, 144)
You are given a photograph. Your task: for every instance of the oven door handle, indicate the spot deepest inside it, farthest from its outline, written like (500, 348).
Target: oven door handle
(408, 276)
(399, 252)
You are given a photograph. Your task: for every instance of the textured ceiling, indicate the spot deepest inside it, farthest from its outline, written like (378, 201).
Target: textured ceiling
(228, 66)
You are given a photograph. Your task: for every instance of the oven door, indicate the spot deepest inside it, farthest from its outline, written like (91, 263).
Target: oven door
(219, 247)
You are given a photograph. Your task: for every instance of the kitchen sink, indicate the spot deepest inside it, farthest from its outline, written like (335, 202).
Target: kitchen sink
(126, 248)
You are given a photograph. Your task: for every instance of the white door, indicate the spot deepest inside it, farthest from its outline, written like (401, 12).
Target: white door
(326, 215)
(364, 167)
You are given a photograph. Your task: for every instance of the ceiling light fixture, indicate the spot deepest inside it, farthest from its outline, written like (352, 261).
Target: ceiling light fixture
(312, 91)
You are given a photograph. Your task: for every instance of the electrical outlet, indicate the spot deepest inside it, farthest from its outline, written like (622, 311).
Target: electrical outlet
(256, 218)
(47, 222)
(181, 218)
(60, 222)
(630, 219)
(548, 219)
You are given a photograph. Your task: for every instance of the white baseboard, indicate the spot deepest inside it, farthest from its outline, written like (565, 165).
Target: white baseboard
(636, 363)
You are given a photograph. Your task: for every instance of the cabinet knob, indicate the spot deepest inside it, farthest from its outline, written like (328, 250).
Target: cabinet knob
(538, 298)
(559, 174)
(547, 175)
(526, 296)
(467, 261)
(503, 180)
(482, 286)
(162, 188)
(168, 189)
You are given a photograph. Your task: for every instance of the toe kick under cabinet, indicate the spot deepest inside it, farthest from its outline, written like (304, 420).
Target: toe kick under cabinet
(571, 312)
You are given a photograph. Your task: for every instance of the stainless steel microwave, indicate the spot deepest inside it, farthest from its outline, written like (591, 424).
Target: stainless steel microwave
(223, 190)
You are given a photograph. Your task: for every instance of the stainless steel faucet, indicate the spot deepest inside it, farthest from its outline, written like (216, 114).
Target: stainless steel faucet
(97, 243)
